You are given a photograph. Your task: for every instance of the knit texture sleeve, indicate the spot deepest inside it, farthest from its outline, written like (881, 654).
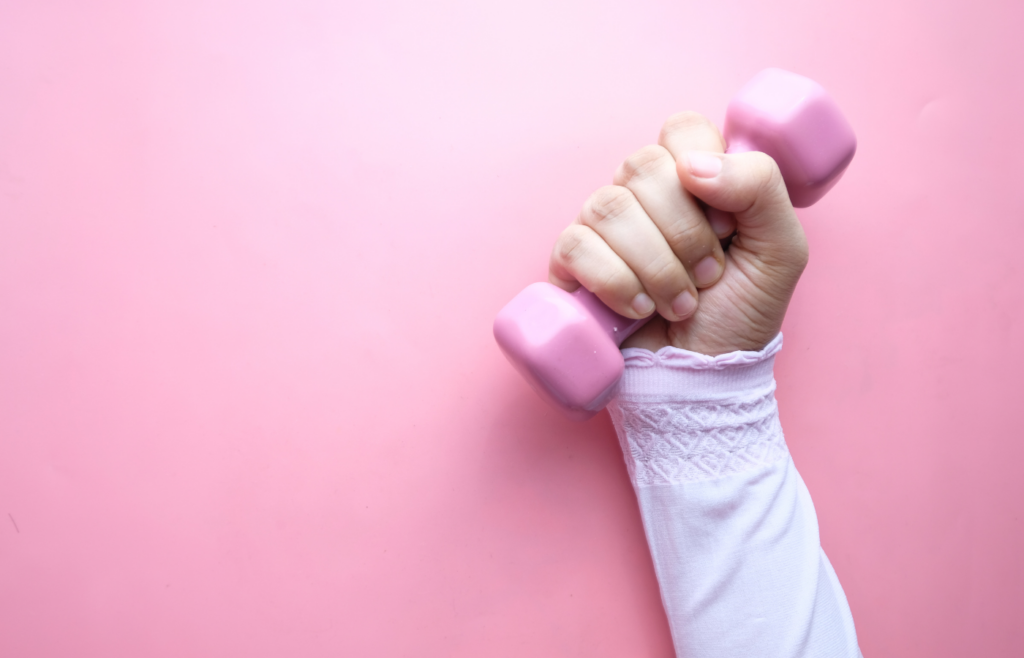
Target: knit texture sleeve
(731, 527)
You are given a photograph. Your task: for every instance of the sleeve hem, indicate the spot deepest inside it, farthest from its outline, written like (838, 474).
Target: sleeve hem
(673, 374)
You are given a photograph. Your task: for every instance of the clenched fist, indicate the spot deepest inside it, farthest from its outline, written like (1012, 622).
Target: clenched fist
(646, 243)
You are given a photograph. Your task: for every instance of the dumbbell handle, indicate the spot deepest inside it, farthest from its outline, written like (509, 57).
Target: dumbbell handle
(618, 327)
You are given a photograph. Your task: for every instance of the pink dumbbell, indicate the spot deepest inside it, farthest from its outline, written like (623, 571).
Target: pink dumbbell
(566, 345)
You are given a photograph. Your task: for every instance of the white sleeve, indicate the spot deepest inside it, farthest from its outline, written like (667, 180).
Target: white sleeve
(730, 524)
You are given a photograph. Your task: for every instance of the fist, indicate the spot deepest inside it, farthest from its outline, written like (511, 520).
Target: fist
(709, 241)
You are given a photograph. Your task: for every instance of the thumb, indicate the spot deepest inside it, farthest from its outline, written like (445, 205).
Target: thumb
(750, 186)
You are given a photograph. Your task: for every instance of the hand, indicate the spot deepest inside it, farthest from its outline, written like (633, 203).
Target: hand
(645, 243)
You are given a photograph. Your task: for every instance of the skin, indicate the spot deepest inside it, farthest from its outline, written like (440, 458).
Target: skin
(646, 243)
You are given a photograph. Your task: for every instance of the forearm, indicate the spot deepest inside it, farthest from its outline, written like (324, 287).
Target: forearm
(730, 524)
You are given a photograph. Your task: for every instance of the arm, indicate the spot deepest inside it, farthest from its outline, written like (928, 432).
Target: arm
(730, 524)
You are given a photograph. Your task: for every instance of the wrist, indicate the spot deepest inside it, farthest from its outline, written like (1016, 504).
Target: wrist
(697, 336)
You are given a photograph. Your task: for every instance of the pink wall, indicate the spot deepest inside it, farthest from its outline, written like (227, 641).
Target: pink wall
(249, 257)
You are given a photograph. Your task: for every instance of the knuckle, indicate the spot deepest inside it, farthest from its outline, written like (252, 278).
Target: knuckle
(570, 246)
(663, 274)
(767, 173)
(606, 203)
(691, 238)
(643, 164)
(684, 121)
(614, 284)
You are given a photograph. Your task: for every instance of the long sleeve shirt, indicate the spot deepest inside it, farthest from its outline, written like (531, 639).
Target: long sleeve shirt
(730, 524)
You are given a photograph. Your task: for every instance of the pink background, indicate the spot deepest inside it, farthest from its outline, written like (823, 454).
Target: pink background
(249, 257)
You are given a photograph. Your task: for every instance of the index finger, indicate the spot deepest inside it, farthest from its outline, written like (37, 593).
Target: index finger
(690, 131)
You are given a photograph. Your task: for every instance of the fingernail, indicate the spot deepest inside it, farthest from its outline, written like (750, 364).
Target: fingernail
(684, 304)
(703, 165)
(721, 221)
(643, 304)
(707, 272)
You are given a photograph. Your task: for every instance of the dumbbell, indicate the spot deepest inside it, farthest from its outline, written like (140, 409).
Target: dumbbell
(566, 345)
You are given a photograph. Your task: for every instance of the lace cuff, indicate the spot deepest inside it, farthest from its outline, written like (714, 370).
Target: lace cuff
(684, 417)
